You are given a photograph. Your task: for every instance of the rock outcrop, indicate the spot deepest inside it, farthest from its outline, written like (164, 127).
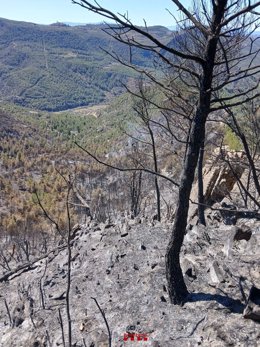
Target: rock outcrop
(220, 181)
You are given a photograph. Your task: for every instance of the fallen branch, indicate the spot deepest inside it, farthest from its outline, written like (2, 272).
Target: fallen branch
(28, 266)
(240, 213)
(193, 330)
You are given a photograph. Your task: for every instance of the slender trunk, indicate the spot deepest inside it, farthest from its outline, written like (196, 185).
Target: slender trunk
(139, 190)
(242, 137)
(201, 207)
(242, 186)
(136, 193)
(247, 188)
(251, 163)
(62, 328)
(158, 198)
(156, 183)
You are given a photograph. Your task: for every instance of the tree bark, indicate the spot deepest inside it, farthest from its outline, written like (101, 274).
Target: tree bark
(156, 183)
(176, 285)
(201, 207)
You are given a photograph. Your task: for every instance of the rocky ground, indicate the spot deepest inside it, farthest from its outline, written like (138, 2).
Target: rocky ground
(122, 266)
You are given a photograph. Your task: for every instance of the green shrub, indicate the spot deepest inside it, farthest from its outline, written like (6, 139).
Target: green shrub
(231, 140)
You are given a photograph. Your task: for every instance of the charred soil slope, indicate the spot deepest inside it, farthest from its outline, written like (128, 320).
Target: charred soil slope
(122, 266)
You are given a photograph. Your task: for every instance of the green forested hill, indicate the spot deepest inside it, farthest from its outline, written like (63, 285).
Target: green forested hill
(56, 67)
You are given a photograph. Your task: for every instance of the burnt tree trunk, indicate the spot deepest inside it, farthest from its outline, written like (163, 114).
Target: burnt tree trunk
(136, 187)
(176, 286)
(201, 207)
(156, 183)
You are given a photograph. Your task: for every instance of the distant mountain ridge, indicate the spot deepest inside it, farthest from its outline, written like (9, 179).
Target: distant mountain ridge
(56, 67)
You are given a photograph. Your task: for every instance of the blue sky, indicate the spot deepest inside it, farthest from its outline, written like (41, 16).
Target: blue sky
(51, 11)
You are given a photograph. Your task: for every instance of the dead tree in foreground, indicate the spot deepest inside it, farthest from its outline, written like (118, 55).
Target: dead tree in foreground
(212, 52)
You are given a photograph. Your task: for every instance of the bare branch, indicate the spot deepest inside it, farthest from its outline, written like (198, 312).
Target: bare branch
(244, 11)
(191, 18)
(104, 317)
(127, 169)
(126, 23)
(47, 214)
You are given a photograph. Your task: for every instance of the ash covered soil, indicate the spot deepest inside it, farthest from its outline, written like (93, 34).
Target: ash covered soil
(122, 265)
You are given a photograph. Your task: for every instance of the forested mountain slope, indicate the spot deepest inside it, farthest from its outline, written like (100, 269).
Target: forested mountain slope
(57, 67)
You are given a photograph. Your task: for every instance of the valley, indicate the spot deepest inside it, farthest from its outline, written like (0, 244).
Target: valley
(130, 178)
(59, 67)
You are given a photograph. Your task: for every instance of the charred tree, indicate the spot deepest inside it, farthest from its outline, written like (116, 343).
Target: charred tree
(212, 50)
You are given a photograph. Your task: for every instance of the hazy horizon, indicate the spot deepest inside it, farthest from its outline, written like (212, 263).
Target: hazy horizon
(48, 11)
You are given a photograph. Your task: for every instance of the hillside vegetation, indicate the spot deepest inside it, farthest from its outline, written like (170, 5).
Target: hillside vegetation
(57, 67)
(35, 145)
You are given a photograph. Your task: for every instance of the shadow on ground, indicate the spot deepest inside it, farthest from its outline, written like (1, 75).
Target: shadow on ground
(235, 306)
